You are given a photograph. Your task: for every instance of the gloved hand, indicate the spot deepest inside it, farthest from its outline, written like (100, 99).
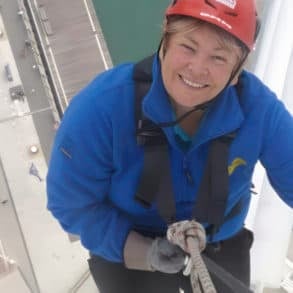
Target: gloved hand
(179, 232)
(143, 253)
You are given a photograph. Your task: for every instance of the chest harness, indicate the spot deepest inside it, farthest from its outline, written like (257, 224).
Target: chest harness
(155, 183)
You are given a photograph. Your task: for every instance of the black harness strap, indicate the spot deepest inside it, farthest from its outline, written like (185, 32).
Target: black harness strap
(156, 181)
(142, 75)
(214, 188)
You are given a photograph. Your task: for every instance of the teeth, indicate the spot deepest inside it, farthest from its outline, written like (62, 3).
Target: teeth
(193, 84)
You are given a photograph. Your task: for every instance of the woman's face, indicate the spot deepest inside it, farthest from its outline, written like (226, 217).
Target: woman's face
(196, 67)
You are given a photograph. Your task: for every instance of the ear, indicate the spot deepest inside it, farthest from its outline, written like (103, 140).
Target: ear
(162, 48)
(240, 67)
(161, 54)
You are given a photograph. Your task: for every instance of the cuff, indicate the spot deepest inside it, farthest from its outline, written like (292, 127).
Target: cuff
(136, 250)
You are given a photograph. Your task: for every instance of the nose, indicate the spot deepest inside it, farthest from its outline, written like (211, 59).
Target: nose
(198, 65)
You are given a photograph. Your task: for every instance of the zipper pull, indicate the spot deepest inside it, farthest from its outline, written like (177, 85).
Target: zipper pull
(189, 177)
(187, 173)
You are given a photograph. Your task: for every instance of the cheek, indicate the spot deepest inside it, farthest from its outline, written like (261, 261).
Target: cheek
(169, 70)
(181, 61)
(175, 59)
(221, 75)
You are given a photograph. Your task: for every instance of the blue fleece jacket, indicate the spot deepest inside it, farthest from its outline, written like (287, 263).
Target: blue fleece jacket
(96, 163)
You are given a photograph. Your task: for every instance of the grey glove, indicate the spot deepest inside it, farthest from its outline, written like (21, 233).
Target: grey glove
(166, 257)
(143, 253)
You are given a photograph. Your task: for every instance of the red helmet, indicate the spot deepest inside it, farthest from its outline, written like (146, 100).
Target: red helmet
(237, 17)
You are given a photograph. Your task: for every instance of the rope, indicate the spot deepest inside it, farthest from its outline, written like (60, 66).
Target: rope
(190, 236)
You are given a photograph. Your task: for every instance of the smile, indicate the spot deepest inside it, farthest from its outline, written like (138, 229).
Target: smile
(192, 84)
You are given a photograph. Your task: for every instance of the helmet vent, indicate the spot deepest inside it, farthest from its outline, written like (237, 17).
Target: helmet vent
(210, 4)
(231, 13)
(174, 2)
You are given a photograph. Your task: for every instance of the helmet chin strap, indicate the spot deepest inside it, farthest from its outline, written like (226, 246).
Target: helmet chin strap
(201, 107)
(206, 105)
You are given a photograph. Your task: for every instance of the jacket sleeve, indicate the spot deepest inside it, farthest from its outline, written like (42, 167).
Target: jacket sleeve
(277, 151)
(79, 178)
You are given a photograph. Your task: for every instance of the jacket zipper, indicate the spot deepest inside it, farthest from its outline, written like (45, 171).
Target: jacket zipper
(187, 172)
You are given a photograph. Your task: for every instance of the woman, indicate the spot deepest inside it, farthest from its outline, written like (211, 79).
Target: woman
(209, 111)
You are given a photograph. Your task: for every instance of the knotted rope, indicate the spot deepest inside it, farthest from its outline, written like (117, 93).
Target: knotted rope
(191, 237)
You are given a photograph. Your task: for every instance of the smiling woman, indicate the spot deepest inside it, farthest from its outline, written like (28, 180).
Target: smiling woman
(167, 141)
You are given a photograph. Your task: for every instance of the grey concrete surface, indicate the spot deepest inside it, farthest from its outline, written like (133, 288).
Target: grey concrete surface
(29, 75)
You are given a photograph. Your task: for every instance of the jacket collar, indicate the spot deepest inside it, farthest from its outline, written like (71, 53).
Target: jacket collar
(223, 116)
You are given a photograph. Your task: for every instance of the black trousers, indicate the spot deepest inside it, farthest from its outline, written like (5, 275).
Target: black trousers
(233, 255)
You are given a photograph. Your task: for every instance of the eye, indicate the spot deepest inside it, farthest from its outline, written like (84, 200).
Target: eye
(188, 48)
(219, 59)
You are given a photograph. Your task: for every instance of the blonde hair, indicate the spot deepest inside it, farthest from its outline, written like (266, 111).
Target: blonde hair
(184, 24)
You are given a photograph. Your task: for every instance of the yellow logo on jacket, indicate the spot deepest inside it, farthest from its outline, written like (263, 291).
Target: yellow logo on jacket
(235, 163)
